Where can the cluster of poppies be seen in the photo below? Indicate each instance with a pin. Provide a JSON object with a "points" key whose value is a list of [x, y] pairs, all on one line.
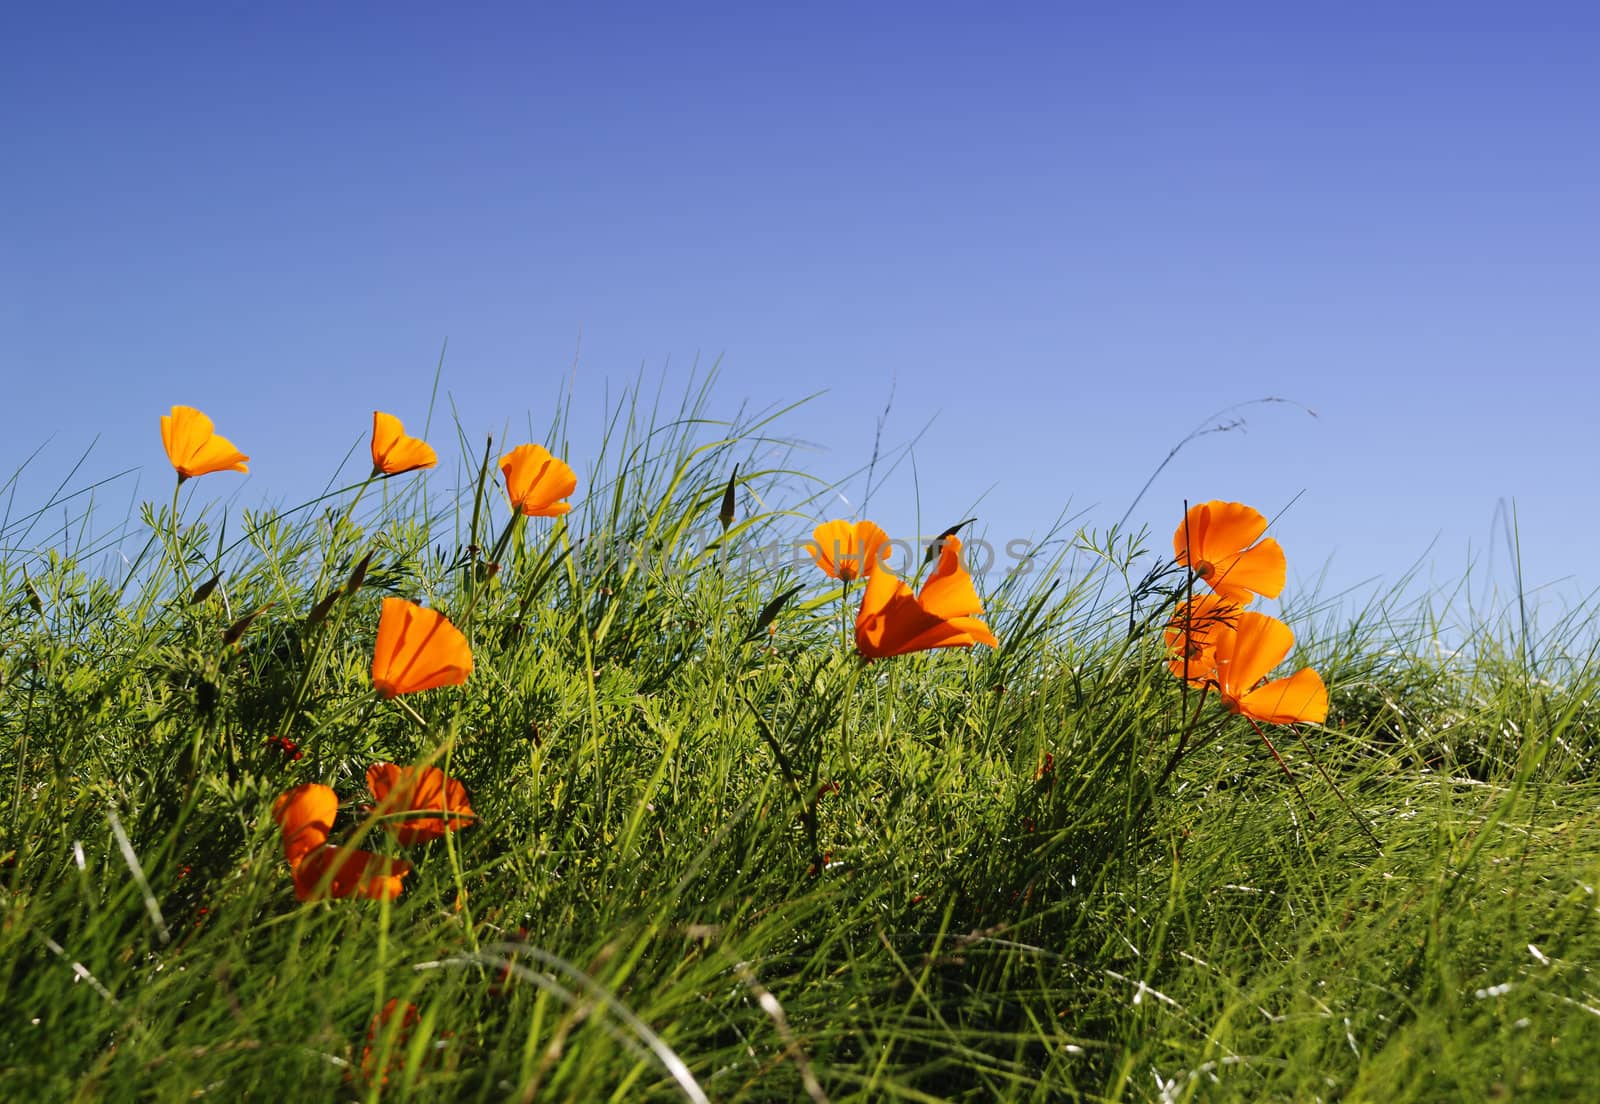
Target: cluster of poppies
{"points": [[537, 482], [414, 804], [416, 649], [1215, 643], [892, 620]]}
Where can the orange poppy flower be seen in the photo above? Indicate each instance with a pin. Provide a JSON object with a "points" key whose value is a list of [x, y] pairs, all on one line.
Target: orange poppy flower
{"points": [[416, 790], [305, 814], [333, 871], [537, 481], [1245, 651], [417, 649], [847, 551], [393, 452], [1191, 636], [943, 615], [1221, 542], [410, 1017], [194, 447]]}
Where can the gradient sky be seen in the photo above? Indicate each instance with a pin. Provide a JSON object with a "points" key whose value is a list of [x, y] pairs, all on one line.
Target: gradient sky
{"points": [[1063, 234]]}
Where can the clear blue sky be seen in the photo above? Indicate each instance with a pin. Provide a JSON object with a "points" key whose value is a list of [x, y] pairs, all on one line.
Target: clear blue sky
{"points": [[1064, 233]]}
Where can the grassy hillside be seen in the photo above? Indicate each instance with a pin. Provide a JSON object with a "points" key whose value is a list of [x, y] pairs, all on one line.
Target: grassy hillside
{"points": [[715, 856]]}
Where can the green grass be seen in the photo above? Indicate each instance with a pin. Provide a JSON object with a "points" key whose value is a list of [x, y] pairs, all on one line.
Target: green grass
{"points": [[1012, 904]]}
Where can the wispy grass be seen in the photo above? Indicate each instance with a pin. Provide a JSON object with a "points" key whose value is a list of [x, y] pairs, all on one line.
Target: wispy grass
{"points": [[717, 858]]}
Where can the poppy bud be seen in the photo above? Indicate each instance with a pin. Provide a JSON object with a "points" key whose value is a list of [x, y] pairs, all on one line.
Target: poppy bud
{"points": [[359, 574], [237, 629], [726, 514], [319, 612]]}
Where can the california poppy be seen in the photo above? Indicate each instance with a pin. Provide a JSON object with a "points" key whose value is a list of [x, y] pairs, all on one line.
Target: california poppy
{"points": [[393, 452], [332, 871], [418, 789], [194, 447], [847, 551], [1191, 636], [537, 481], [1221, 542], [417, 649], [1245, 652], [305, 814], [944, 614], [409, 1018]]}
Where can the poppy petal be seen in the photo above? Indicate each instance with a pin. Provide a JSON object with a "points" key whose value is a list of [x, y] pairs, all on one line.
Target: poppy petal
{"points": [[418, 789], [948, 591], [410, 455], [1259, 570], [188, 427], [1192, 634], [874, 542], [958, 632], [1256, 645], [216, 454], [386, 433], [884, 591], [1217, 529], [305, 814], [331, 871], [1301, 697]]}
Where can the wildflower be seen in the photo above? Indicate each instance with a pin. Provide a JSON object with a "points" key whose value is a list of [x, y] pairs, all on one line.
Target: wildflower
{"points": [[332, 871], [847, 551], [415, 790], [1221, 542], [417, 649], [1191, 636], [943, 615], [305, 814], [1245, 652], [393, 452], [537, 481], [409, 1018], [193, 446]]}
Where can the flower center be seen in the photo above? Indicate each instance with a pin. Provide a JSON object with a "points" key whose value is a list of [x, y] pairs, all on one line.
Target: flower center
{"points": [[1204, 569]]}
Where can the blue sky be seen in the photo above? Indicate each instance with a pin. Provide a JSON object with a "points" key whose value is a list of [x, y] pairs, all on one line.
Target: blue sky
{"points": [[1061, 234]]}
